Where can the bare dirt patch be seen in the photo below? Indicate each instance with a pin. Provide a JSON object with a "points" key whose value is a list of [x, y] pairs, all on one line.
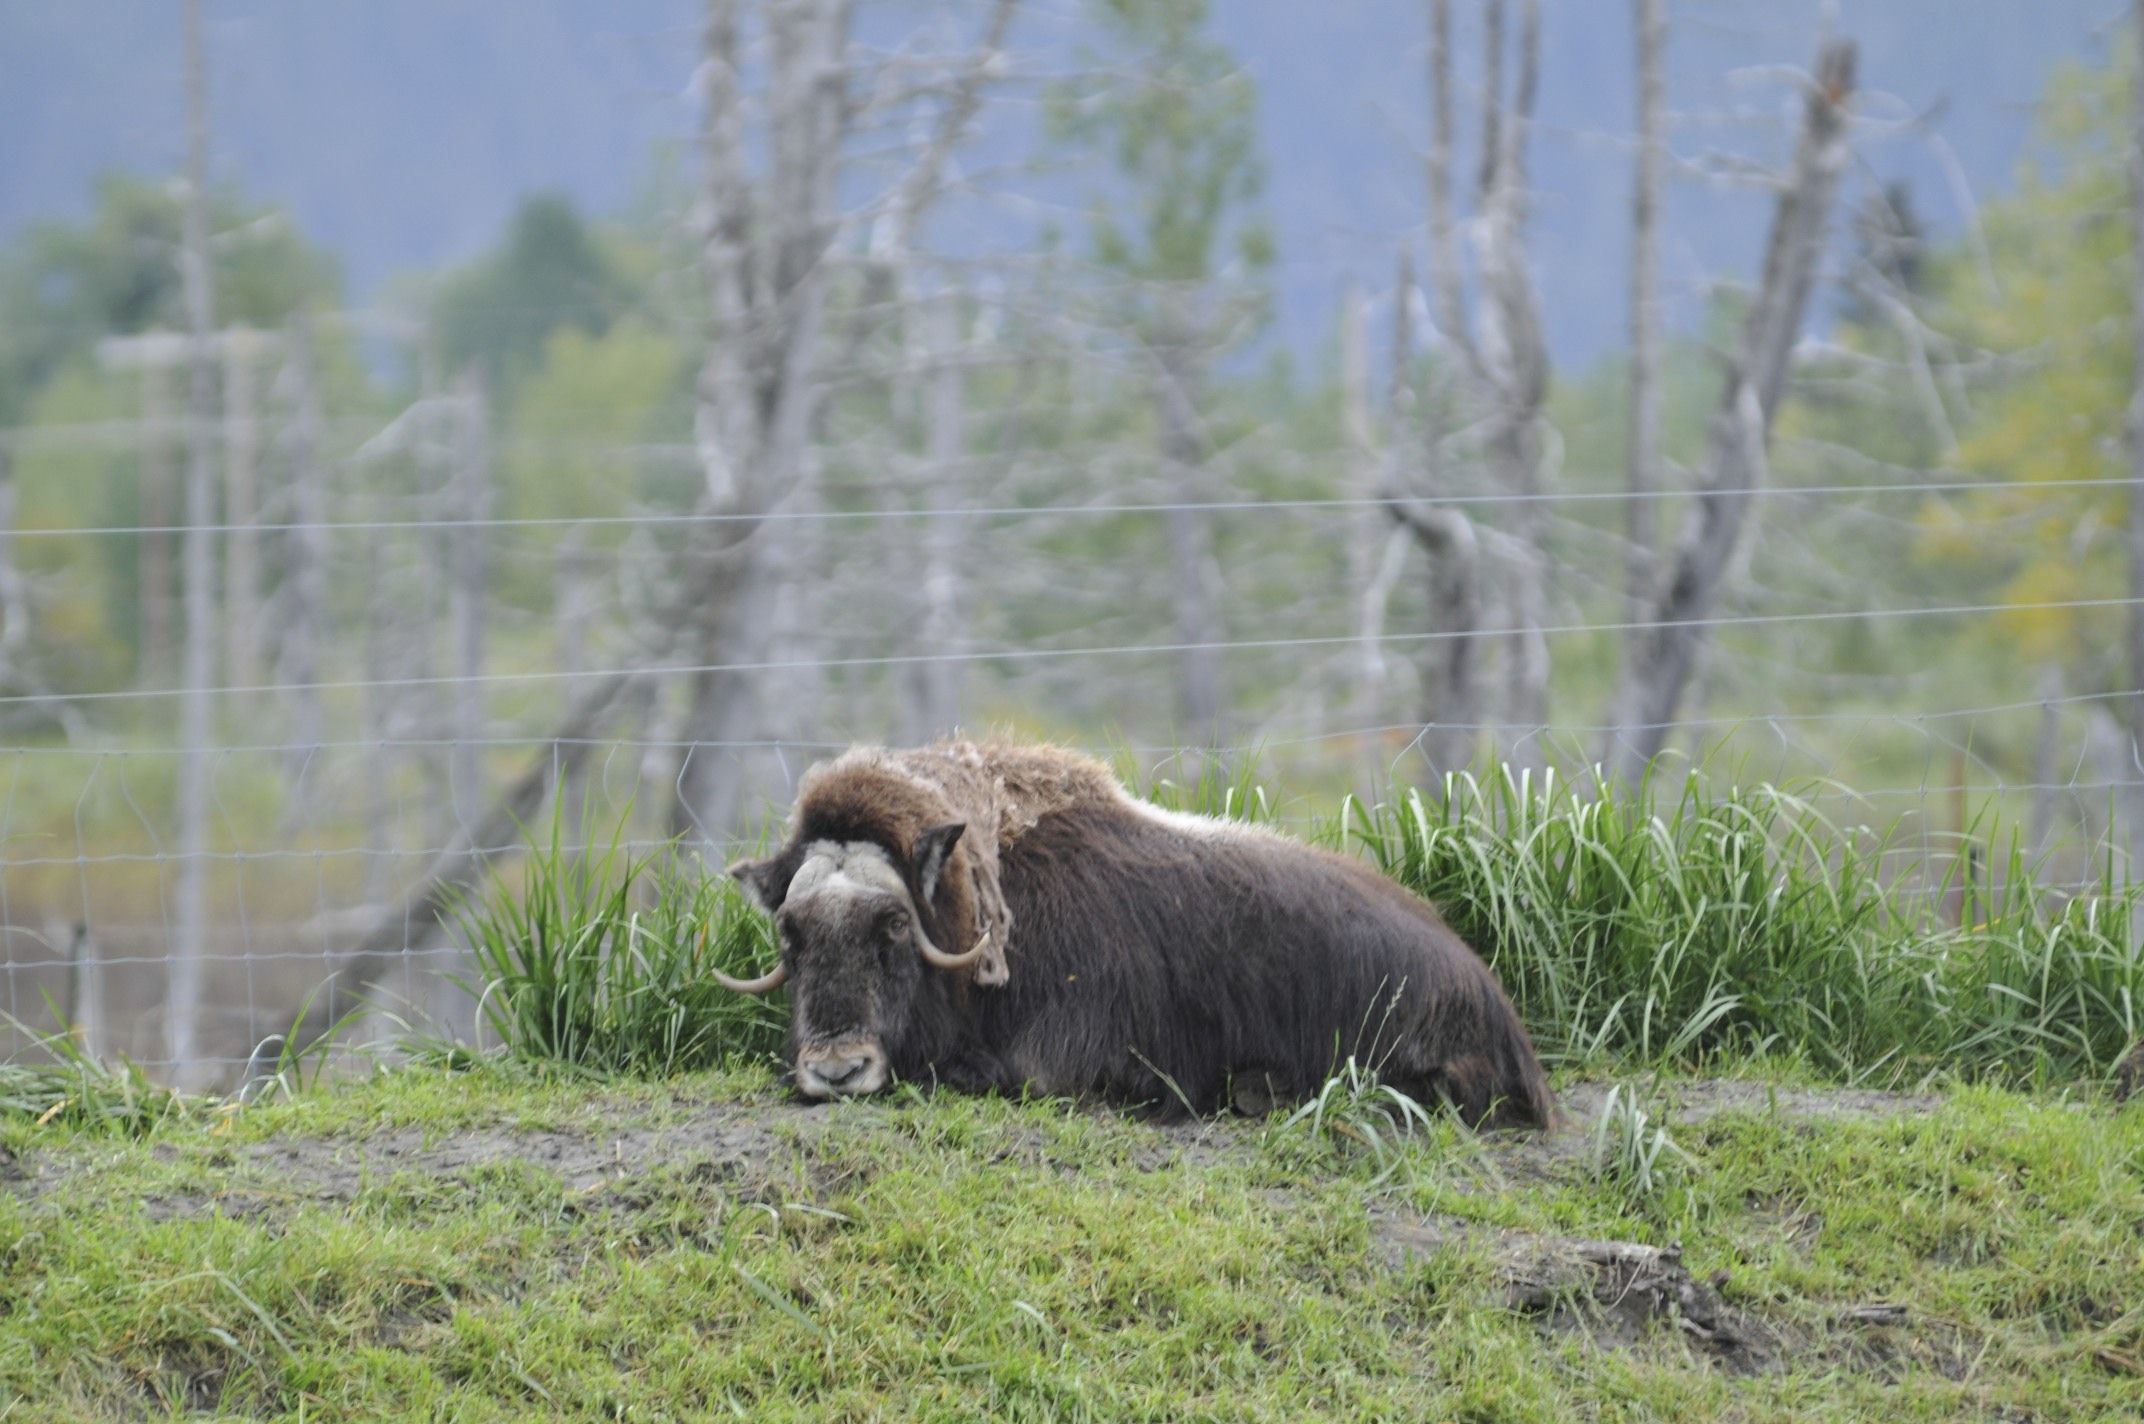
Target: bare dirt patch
{"points": [[744, 1140]]}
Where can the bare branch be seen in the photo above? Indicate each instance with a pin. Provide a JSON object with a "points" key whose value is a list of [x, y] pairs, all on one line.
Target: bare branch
{"points": [[1662, 658]]}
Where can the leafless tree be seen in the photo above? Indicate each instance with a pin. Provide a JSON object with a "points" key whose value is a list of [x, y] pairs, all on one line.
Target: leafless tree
{"points": [[307, 550], [1375, 547], [2134, 525], [1661, 658], [242, 350], [768, 259], [154, 569], [1448, 662], [470, 503], [1502, 353], [936, 691], [768, 256], [1644, 418], [14, 593], [189, 943]]}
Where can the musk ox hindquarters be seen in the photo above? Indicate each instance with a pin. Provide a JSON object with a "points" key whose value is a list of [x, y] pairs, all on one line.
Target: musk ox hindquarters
{"points": [[1000, 918]]}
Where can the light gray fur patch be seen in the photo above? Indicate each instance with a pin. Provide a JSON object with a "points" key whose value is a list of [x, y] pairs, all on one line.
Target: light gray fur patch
{"points": [[847, 869]]}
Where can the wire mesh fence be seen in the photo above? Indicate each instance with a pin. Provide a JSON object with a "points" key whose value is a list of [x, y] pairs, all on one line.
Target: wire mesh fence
{"points": [[1877, 704], [302, 629]]}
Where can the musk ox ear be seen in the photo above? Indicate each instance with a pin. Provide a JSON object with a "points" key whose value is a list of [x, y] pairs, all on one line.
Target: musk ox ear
{"points": [[756, 879], [932, 848]]}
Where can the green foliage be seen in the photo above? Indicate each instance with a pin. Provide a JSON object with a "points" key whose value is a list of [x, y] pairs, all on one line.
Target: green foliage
{"points": [[596, 959], [549, 274], [2057, 288], [1180, 128], [1716, 925], [66, 285], [1182, 131]]}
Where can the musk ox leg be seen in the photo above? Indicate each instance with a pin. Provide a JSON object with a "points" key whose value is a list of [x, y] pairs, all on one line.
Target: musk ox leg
{"points": [[1256, 1092], [1473, 1088], [975, 1071]]}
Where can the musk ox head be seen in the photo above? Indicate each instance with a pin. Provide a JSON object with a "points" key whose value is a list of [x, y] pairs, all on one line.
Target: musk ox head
{"points": [[854, 920]]}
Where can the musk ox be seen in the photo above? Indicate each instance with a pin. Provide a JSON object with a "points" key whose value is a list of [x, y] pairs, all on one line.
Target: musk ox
{"points": [[994, 918]]}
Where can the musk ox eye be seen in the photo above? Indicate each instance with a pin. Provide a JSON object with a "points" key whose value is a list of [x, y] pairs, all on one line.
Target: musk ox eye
{"points": [[895, 925]]}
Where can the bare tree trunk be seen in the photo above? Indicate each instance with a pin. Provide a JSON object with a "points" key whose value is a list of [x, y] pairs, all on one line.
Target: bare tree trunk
{"points": [[1449, 663], [937, 682], [197, 709], [2046, 746], [1644, 418], [573, 611], [154, 661], [765, 258], [1662, 657], [1515, 352], [573, 600], [1199, 694], [465, 600], [2134, 524], [1445, 281], [1371, 536], [241, 552], [427, 578], [306, 563], [378, 614], [14, 595], [85, 991]]}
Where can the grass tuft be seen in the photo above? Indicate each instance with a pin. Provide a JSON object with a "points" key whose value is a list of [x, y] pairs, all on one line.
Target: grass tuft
{"points": [[597, 959], [1633, 1157], [1356, 1112], [1715, 926], [63, 1086]]}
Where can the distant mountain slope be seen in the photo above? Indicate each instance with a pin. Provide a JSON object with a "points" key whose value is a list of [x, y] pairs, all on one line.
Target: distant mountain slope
{"points": [[402, 131]]}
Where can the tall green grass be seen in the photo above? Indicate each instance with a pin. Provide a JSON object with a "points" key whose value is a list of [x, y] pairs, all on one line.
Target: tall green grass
{"points": [[60, 1084], [597, 958], [1721, 924], [1691, 926]]}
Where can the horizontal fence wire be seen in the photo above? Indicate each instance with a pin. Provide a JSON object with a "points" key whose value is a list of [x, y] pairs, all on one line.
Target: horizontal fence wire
{"points": [[693, 519], [337, 783], [1122, 650]]}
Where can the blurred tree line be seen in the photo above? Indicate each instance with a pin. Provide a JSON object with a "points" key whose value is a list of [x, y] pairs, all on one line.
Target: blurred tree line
{"points": [[1119, 365]]}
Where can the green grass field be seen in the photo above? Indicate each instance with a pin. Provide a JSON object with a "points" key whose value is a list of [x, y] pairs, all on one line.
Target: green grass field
{"points": [[508, 1244]]}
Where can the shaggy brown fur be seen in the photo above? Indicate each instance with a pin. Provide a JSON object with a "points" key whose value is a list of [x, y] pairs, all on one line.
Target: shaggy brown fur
{"points": [[1153, 958], [996, 791]]}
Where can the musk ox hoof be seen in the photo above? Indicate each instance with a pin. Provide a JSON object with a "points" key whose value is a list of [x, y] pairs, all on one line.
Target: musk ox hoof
{"points": [[1255, 1094]]}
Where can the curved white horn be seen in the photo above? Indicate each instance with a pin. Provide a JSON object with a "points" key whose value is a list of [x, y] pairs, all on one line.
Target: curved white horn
{"points": [[938, 958], [766, 983]]}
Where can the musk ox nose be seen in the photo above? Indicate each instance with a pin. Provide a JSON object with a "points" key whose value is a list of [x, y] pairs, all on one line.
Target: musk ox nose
{"points": [[850, 1068], [835, 1071]]}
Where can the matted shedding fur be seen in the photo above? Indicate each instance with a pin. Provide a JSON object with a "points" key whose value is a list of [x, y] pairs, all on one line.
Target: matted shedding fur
{"points": [[998, 791], [1136, 955]]}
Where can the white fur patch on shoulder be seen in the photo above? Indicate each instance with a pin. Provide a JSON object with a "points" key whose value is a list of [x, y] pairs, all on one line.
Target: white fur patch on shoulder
{"points": [[1216, 828]]}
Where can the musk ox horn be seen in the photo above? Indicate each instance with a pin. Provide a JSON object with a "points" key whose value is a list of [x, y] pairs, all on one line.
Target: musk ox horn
{"points": [[938, 958], [766, 983]]}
